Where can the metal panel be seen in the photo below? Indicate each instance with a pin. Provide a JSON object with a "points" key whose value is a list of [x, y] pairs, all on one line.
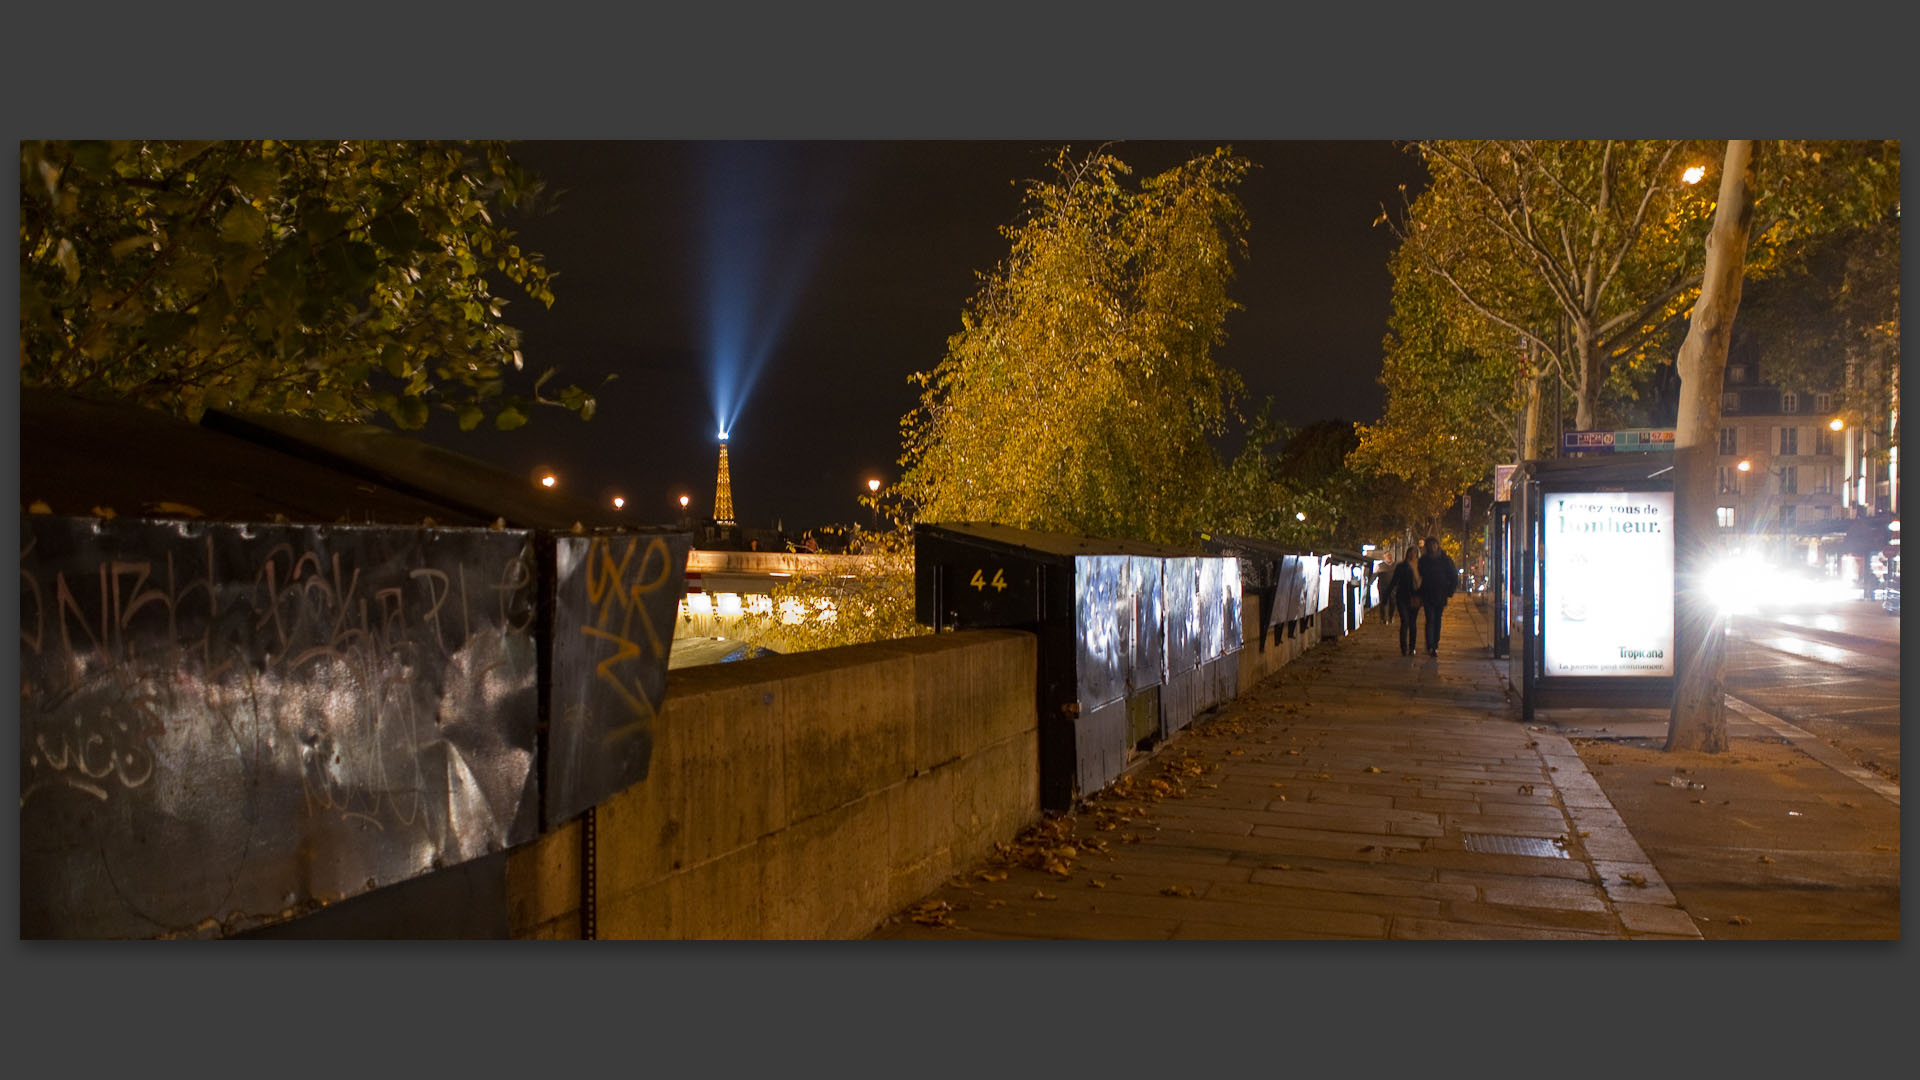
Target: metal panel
{"points": [[1100, 644], [1232, 629], [1149, 637], [1181, 582], [226, 725], [614, 600]]}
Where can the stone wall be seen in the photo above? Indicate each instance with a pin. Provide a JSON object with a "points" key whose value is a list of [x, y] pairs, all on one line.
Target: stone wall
{"points": [[804, 796]]}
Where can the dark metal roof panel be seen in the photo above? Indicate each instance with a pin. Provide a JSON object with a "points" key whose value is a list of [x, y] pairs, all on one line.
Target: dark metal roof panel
{"points": [[78, 453], [418, 468], [1060, 545]]}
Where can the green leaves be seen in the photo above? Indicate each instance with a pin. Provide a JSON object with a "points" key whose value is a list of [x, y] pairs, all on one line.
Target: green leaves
{"points": [[243, 225], [338, 277]]}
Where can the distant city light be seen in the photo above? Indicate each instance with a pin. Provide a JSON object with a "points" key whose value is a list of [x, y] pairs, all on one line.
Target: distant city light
{"points": [[1694, 173], [723, 436], [1301, 516], [619, 502]]}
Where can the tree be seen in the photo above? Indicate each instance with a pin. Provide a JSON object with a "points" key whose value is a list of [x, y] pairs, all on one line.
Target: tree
{"points": [[328, 279], [1591, 250], [1833, 323], [1697, 718], [1079, 393]]}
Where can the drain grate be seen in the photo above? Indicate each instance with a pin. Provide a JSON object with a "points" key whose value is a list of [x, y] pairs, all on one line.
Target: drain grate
{"points": [[1498, 844]]}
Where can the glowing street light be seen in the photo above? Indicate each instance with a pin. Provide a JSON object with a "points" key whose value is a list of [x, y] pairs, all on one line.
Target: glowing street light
{"points": [[1745, 465], [683, 502], [1300, 516], [619, 502], [1836, 424], [549, 480], [873, 486], [1694, 173]]}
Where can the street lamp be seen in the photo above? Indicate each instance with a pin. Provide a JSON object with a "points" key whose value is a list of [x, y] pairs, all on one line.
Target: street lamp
{"points": [[1836, 424], [549, 480], [873, 488], [1300, 516], [1694, 173], [619, 502], [683, 502]]}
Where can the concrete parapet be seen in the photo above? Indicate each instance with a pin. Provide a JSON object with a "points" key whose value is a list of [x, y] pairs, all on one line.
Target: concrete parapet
{"points": [[804, 796]]}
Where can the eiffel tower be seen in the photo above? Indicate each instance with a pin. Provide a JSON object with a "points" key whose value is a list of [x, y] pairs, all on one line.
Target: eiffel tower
{"points": [[723, 490]]}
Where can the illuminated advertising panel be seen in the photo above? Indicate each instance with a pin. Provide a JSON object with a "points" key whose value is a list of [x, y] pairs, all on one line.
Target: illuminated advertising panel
{"points": [[1608, 603]]}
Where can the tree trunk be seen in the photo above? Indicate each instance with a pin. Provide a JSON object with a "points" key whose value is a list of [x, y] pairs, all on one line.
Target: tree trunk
{"points": [[1530, 425], [1587, 394], [1698, 719]]}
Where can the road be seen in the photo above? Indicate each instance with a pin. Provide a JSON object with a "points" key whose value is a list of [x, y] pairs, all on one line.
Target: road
{"points": [[1834, 674]]}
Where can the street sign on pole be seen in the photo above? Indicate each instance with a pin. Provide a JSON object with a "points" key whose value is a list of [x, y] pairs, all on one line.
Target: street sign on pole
{"points": [[1503, 482]]}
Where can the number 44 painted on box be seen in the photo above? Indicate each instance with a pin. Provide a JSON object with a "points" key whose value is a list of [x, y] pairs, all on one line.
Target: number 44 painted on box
{"points": [[980, 581]]}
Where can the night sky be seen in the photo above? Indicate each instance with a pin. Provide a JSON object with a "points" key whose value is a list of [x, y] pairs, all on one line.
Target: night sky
{"points": [[844, 266]]}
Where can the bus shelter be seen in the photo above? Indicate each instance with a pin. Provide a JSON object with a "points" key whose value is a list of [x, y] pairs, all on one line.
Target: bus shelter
{"points": [[1591, 583]]}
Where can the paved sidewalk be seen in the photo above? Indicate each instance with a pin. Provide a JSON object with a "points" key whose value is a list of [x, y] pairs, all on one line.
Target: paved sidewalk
{"points": [[1357, 794]]}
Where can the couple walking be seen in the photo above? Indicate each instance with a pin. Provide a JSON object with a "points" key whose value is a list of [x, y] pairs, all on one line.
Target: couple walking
{"points": [[1422, 581]]}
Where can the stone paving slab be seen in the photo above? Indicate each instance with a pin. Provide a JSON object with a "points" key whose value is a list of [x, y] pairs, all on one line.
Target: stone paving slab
{"points": [[1334, 800]]}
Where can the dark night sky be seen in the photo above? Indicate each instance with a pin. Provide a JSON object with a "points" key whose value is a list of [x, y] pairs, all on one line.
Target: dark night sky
{"points": [[878, 244]]}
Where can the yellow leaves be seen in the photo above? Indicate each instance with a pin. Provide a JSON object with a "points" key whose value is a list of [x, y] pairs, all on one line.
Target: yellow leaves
{"points": [[1371, 769], [1042, 894], [39, 506], [1766, 858], [1177, 890], [932, 913], [174, 509], [992, 875], [1739, 920], [1638, 881], [103, 512]]}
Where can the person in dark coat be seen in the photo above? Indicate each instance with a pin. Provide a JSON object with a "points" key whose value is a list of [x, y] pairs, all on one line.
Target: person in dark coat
{"points": [[1438, 580], [1387, 603], [1405, 589]]}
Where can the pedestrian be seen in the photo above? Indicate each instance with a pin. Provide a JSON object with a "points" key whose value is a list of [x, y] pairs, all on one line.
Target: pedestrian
{"points": [[1385, 578], [1405, 587], [1438, 580]]}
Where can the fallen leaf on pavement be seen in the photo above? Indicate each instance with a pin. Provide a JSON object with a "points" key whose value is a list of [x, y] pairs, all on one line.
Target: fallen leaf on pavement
{"points": [[1040, 895], [1372, 769], [992, 875], [1740, 920], [1526, 789], [1638, 881], [1177, 890], [1766, 858]]}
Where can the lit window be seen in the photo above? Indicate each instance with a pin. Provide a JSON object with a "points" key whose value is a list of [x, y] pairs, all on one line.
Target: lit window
{"points": [[1724, 516]]}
